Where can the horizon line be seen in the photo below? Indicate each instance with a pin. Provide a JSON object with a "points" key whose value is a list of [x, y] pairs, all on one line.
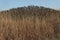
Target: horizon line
{"points": [[27, 6]]}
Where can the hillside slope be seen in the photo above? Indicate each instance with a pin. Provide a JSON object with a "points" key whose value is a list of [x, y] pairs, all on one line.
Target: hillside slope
{"points": [[30, 23]]}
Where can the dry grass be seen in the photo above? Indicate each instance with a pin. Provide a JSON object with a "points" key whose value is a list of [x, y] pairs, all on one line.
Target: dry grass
{"points": [[29, 27]]}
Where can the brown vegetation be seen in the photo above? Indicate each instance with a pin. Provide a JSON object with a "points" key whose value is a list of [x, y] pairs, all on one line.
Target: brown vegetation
{"points": [[30, 23]]}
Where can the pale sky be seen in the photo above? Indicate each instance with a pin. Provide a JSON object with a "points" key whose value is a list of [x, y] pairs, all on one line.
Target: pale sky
{"points": [[8, 4]]}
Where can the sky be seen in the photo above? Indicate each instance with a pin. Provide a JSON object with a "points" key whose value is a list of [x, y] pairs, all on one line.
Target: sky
{"points": [[9, 4]]}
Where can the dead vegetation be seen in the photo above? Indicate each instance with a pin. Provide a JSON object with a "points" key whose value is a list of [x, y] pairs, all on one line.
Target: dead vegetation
{"points": [[30, 23]]}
